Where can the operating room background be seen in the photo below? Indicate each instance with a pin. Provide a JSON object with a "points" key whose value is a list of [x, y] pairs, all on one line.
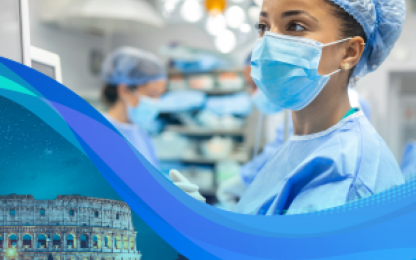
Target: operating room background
{"points": [[391, 90]]}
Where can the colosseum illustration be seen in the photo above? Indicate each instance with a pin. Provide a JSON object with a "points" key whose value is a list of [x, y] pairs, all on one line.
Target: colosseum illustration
{"points": [[68, 228]]}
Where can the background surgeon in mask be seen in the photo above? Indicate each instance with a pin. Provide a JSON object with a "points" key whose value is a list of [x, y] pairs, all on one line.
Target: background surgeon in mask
{"points": [[133, 82]]}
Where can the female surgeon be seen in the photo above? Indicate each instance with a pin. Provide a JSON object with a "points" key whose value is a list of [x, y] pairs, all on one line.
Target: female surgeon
{"points": [[229, 191], [133, 82], [307, 53]]}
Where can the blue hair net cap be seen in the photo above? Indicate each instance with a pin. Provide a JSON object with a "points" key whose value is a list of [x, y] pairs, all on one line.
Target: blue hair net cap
{"points": [[383, 22], [131, 66]]}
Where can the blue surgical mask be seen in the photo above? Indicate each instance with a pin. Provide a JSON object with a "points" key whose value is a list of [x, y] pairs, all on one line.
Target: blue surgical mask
{"points": [[285, 68], [263, 104], [145, 112]]}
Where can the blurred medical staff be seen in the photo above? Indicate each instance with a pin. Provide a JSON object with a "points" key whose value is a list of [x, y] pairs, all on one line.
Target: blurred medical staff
{"points": [[133, 82]]}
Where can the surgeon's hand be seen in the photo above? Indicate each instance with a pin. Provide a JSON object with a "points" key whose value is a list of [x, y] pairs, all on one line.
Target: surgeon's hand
{"points": [[182, 183]]}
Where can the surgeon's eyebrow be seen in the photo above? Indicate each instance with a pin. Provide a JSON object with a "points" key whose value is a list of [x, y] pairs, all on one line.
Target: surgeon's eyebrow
{"points": [[264, 14], [297, 12]]}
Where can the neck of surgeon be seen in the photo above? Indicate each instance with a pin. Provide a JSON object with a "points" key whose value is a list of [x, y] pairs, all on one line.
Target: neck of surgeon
{"points": [[328, 108], [119, 112]]}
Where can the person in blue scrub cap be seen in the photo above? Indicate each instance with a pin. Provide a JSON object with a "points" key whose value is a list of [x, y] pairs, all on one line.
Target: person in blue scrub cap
{"points": [[335, 155], [308, 52], [134, 80], [230, 191]]}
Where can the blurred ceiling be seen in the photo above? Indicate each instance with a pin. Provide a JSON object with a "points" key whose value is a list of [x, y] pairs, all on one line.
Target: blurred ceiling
{"points": [[102, 16]]}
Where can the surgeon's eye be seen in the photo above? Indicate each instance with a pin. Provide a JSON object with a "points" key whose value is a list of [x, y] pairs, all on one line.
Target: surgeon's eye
{"points": [[296, 27], [261, 28]]}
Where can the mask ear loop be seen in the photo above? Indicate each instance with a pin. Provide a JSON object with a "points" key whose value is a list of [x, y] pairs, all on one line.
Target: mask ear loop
{"points": [[333, 43], [335, 72]]}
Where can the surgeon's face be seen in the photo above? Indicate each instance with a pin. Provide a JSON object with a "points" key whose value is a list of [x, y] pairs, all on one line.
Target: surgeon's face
{"points": [[309, 19], [154, 89]]}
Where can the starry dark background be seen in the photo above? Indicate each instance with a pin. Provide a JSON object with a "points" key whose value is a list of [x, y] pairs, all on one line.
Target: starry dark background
{"points": [[36, 160]]}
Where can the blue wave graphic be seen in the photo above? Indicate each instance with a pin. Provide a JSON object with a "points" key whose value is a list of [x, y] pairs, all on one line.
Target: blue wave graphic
{"points": [[378, 227]]}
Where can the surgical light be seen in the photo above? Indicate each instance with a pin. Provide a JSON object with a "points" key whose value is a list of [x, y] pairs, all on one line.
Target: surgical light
{"points": [[258, 2], [254, 13], [170, 5], [192, 11], [215, 7], [216, 24], [235, 16], [245, 28], [226, 41]]}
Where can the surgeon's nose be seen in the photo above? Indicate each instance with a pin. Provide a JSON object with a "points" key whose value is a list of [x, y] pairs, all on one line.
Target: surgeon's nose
{"points": [[275, 29]]}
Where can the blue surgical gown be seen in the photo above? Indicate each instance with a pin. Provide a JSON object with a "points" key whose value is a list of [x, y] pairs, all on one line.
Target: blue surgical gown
{"points": [[250, 170], [138, 138], [348, 161]]}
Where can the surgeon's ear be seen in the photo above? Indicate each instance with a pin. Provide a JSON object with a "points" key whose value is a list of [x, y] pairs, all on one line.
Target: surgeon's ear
{"points": [[355, 49], [126, 95], [123, 92]]}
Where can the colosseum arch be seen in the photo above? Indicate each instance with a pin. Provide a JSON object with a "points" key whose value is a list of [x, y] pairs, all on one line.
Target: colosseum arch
{"points": [[12, 241], [132, 243], [107, 242], [96, 242], [27, 241], [56, 241], [117, 242], [42, 241], [84, 241], [70, 241], [126, 242], [1, 241]]}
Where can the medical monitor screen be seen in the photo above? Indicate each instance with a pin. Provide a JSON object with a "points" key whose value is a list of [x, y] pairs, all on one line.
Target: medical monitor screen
{"points": [[45, 69], [10, 30]]}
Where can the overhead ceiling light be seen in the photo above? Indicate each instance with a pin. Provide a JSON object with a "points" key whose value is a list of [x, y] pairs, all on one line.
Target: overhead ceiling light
{"points": [[216, 24], [245, 28], [215, 7], [226, 41], [258, 2], [170, 5], [235, 16], [192, 11], [254, 13], [108, 16]]}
